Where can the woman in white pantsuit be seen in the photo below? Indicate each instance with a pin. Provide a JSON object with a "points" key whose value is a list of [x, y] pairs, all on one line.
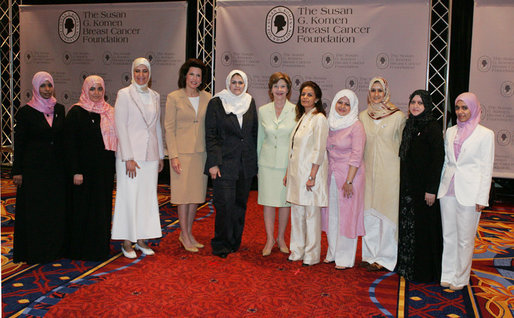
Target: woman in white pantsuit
{"points": [[306, 176], [464, 188], [138, 162]]}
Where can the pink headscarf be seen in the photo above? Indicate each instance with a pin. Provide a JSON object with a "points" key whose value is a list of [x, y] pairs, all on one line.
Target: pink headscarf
{"points": [[101, 107], [466, 128], [46, 106]]}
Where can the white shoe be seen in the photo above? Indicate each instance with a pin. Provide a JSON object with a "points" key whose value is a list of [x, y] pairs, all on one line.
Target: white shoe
{"points": [[146, 251], [130, 254]]}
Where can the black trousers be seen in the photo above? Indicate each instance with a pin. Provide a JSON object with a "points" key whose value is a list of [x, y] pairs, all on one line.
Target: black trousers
{"points": [[230, 198]]}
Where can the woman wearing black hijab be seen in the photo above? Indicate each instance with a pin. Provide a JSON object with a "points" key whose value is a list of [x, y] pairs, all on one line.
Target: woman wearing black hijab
{"points": [[421, 161]]}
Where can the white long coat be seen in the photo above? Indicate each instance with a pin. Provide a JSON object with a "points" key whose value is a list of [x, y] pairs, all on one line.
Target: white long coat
{"points": [[310, 141]]}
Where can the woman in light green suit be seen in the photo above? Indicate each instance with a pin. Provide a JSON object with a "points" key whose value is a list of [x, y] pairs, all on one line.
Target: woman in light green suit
{"points": [[276, 121]]}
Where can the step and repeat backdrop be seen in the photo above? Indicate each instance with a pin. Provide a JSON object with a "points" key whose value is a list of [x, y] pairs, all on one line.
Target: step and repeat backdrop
{"points": [[72, 42], [334, 43], [492, 76]]}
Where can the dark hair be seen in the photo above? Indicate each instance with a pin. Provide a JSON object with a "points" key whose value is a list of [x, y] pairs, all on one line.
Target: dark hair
{"points": [[182, 73], [425, 97], [274, 78], [318, 105]]}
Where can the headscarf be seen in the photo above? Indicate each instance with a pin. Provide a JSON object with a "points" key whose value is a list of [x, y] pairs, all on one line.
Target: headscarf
{"points": [[136, 63], [105, 110], [384, 108], [46, 106], [239, 104], [414, 124], [465, 129], [336, 121]]}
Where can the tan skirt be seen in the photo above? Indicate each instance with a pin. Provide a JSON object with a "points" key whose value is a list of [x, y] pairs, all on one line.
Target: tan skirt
{"points": [[190, 185]]}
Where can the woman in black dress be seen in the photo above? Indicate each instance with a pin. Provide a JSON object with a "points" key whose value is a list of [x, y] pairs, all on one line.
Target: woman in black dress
{"points": [[38, 171], [421, 160], [90, 146]]}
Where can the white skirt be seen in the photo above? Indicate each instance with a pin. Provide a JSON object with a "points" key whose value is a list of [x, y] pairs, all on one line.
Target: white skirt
{"points": [[136, 211]]}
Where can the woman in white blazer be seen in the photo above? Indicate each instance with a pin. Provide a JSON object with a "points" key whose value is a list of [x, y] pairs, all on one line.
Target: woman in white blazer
{"points": [[138, 162], [464, 189], [306, 176]]}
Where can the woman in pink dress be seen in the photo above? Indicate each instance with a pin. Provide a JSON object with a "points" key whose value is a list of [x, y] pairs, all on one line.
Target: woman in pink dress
{"points": [[343, 220]]}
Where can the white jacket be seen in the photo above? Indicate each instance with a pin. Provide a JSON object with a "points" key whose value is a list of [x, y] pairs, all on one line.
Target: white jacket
{"points": [[473, 170]]}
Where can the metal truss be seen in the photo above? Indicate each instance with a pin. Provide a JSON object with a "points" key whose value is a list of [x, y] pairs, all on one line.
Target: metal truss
{"points": [[439, 57], [10, 67], [205, 45]]}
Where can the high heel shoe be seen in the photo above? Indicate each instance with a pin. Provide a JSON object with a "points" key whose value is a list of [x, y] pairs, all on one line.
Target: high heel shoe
{"points": [[128, 254], [283, 249], [145, 250], [199, 245], [189, 249], [267, 251]]}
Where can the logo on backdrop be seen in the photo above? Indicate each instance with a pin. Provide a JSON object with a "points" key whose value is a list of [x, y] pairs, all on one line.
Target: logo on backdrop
{"points": [[279, 24], [69, 26], [484, 63], [126, 79], [276, 59], [382, 61], [352, 83], [297, 82], [327, 60], [503, 137], [226, 58], [507, 89]]}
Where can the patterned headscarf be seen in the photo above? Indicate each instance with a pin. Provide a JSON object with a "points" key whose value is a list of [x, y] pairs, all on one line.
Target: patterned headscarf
{"points": [[384, 108]]}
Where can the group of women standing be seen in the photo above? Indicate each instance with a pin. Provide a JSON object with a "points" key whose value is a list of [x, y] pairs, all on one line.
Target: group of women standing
{"points": [[64, 168], [375, 174]]}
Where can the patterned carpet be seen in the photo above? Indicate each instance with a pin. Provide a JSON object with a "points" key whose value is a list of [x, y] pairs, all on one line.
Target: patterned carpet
{"points": [[177, 283]]}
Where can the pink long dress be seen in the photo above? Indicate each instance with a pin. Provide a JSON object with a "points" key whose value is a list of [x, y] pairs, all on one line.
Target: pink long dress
{"points": [[345, 147]]}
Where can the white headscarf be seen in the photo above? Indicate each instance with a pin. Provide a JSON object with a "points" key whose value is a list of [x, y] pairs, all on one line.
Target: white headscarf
{"points": [[236, 104], [136, 63], [336, 121]]}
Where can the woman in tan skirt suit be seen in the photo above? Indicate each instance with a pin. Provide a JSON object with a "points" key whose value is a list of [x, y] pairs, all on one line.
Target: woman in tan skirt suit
{"points": [[185, 139]]}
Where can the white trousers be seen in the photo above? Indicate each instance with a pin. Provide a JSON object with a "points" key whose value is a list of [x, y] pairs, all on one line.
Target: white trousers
{"points": [[341, 249], [379, 245], [459, 228], [305, 234], [136, 211]]}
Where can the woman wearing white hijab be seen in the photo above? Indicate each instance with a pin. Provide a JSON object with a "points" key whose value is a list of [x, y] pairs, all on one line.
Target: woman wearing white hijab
{"points": [[138, 162], [231, 143], [343, 220]]}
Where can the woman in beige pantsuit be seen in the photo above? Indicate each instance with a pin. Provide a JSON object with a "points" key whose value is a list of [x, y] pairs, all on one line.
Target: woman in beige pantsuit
{"points": [[306, 176], [185, 139]]}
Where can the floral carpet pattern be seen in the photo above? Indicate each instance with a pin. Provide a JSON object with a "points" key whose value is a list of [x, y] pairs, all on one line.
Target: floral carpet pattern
{"points": [[177, 283]]}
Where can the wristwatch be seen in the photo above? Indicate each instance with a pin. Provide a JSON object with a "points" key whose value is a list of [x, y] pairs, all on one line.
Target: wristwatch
{"points": [[348, 182], [311, 178]]}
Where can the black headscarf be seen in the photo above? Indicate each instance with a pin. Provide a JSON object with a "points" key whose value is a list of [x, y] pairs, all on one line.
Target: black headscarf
{"points": [[415, 124]]}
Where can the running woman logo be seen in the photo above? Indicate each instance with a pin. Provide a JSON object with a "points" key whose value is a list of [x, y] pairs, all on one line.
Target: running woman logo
{"points": [[279, 24], [69, 26]]}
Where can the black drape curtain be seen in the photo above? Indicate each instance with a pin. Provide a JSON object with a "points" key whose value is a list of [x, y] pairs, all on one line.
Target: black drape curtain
{"points": [[460, 52]]}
